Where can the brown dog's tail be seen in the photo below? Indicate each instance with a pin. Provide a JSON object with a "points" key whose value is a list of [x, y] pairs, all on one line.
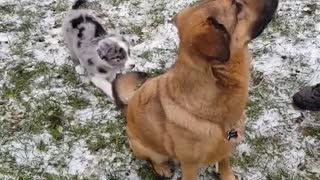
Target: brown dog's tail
{"points": [[125, 85]]}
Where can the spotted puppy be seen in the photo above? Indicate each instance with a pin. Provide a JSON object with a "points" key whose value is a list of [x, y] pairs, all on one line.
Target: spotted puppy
{"points": [[103, 55]]}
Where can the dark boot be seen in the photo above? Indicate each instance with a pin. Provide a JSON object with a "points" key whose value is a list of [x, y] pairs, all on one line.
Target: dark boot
{"points": [[308, 98]]}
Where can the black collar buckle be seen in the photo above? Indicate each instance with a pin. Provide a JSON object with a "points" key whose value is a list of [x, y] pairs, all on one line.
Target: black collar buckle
{"points": [[232, 134]]}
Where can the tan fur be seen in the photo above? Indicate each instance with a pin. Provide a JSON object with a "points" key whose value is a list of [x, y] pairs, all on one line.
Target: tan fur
{"points": [[185, 114], [125, 85]]}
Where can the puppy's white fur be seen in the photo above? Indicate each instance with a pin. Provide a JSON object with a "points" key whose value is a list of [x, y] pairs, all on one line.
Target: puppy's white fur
{"points": [[84, 36]]}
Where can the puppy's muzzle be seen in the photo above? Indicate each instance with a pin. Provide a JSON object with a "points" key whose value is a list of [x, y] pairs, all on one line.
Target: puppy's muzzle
{"points": [[130, 64]]}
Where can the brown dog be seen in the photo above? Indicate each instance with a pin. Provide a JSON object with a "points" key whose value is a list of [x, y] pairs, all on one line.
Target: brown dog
{"points": [[194, 112]]}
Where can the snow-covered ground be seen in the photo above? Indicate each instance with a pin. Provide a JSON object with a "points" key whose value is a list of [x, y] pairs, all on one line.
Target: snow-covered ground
{"points": [[54, 124]]}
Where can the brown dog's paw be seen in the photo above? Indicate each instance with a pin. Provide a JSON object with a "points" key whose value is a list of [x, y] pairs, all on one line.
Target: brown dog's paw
{"points": [[216, 175], [163, 170]]}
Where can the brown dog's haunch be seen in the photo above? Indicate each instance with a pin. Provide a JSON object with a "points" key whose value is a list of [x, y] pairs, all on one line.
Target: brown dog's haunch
{"points": [[194, 113]]}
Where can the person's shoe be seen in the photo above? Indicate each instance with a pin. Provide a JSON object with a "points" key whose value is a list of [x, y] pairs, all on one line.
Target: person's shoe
{"points": [[308, 98]]}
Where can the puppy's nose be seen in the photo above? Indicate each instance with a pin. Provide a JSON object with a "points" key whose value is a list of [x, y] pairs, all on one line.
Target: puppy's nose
{"points": [[132, 66]]}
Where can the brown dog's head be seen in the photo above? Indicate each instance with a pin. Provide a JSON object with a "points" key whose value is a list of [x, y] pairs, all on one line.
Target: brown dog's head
{"points": [[209, 28]]}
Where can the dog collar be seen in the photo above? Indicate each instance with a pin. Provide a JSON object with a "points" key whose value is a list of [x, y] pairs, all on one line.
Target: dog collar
{"points": [[232, 134]]}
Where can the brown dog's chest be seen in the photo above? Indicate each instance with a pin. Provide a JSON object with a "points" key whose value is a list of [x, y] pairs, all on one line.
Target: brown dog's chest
{"points": [[207, 118], [202, 112], [231, 107]]}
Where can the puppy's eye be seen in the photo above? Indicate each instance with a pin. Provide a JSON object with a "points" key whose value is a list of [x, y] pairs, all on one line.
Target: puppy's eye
{"points": [[214, 22], [121, 51], [117, 60], [239, 7]]}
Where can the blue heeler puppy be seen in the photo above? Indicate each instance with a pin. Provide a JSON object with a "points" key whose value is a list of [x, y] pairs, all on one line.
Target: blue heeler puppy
{"points": [[103, 55]]}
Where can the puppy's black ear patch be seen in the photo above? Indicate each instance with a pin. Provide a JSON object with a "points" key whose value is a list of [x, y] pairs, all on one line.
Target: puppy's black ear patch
{"points": [[77, 21], [265, 15], [100, 31]]}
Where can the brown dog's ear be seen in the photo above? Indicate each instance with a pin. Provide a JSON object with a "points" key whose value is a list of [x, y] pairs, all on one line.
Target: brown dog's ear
{"points": [[214, 42], [266, 9]]}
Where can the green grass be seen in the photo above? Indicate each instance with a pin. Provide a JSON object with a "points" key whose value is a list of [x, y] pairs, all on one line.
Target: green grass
{"points": [[103, 101], [262, 144], [254, 109], [68, 74], [97, 142], [146, 172], [147, 55], [158, 17], [278, 26], [279, 174], [245, 161], [46, 115], [80, 131], [60, 6], [315, 115], [136, 29], [117, 2], [19, 45], [77, 102], [259, 95], [41, 146], [311, 131], [7, 9], [117, 136], [21, 77], [40, 98]]}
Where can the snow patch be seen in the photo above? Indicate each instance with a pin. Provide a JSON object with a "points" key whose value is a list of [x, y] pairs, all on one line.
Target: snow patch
{"points": [[82, 161]]}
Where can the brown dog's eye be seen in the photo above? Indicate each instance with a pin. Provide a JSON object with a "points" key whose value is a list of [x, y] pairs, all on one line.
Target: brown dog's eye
{"points": [[213, 21], [239, 8]]}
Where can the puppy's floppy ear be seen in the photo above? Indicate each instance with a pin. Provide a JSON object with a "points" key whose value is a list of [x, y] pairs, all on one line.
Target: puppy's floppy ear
{"points": [[214, 41], [265, 11]]}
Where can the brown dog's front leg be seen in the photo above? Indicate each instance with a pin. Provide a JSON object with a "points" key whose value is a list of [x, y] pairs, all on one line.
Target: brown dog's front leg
{"points": [[189, 171], [225, 170]]}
